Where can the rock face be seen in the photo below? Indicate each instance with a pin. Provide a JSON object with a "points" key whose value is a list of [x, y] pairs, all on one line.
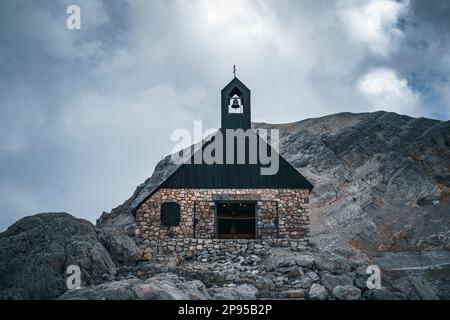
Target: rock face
{"points": [[376, 177], [348, 292], [160, 287], [122, 248], [318, 292], [239, 292], [331, 281], [36, 251]]}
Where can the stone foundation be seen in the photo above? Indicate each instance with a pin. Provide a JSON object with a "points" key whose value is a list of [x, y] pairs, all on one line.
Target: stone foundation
{"points": [[211, 249]]}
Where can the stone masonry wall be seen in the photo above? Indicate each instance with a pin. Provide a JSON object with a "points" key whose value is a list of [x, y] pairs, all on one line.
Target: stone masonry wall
{"points": [[212, 249], [290, 206]]}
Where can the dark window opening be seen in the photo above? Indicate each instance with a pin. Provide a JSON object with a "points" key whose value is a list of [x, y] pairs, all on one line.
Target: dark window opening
{"points": [[236, 220], [170, 214]]}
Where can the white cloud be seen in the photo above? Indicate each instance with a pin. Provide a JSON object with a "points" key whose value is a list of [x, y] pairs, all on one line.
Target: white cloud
{"points": [[228, 25], [145, 111], [48, 28], [118, 140], [15, 131], [386, 91], [375, 24]]}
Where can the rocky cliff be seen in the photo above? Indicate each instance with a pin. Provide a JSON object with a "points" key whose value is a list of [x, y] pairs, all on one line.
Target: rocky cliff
{"points": [[381, 180]]}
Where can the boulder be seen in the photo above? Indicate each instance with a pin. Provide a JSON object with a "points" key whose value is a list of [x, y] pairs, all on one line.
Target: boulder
{"points": [[161, 287], [122, 248], [318, 292], [304, 261], [239, 292], [378, 294], [286, 262], [36, 251], [348, 292], [313, 276], [330, 281], [296, 294], [322, 263], [304, 283], [414, 288]]}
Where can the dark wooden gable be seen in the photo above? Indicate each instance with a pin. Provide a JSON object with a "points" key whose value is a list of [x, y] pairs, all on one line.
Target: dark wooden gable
{"points": [[236, 176]]}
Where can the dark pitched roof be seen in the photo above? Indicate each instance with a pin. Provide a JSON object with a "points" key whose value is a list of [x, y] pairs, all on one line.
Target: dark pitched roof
{"points": [[235, 82], [232, 176]]}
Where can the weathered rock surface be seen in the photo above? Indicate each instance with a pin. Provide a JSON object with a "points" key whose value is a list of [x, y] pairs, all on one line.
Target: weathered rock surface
{"points": [[236, 292], [379, 294], [318, 292], [122, 248], [348, 292], [160, 287], [36, 251], [376, 177], [330, 281], [304, 261]]}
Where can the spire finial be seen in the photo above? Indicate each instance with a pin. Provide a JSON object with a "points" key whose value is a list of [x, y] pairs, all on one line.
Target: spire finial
{"points": [[234, 70]]}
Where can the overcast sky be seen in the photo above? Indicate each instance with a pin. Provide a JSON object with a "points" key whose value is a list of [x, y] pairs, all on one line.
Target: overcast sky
{"points": [[86, 114]]}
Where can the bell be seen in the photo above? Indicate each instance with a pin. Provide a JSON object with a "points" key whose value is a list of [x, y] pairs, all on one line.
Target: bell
{"points": [[235, 104]]}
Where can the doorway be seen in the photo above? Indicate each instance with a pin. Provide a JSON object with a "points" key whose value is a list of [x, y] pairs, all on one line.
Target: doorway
{"points": [[236, 220]]}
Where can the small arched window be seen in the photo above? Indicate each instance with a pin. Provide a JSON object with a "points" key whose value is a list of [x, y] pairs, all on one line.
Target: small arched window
{"points": [[170, 214]]}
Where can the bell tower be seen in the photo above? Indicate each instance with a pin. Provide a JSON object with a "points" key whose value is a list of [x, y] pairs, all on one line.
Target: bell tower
{"points": [[236, 105]]}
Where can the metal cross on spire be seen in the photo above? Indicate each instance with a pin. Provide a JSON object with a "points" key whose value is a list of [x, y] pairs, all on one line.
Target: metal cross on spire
{"points": [[234, 70]]}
